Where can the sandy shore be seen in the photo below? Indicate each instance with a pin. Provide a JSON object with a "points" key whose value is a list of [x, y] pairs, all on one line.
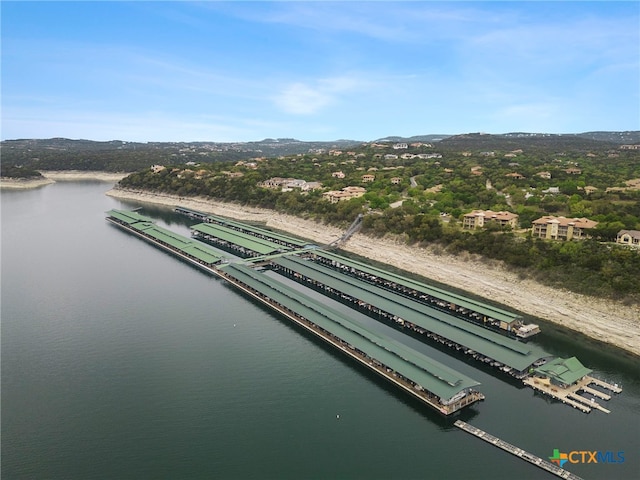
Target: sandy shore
{"points": [[23, 184], [603, 320], [61, 176]]}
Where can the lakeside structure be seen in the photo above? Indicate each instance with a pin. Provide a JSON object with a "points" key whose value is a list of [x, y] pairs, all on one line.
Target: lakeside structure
{"points": [[389, 298]]}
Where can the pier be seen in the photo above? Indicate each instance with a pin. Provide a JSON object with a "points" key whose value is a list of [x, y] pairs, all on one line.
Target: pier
{"points": [[569, 394], [518, 452]]}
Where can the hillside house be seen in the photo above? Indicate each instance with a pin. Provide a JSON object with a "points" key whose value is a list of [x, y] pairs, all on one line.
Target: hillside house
{"points": [[629, 237], [347, 193]]}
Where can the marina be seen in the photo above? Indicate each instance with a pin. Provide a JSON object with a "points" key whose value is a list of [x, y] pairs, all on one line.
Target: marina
{"points": [[387, 298], [425, 379]]}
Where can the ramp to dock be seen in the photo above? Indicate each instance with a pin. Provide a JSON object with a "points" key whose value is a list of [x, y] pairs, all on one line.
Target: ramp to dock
{"points": [[518, 452]]}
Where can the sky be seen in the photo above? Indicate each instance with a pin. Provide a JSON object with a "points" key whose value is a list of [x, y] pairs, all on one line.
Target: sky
{"points": [[315, 70]]}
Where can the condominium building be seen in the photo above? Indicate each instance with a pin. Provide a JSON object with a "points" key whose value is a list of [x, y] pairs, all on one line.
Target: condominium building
{"points": [[479, 218], [562, 228]]}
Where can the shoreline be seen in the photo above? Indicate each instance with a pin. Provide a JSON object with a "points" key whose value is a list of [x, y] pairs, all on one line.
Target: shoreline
{"points": [[53, 176], [592, 317]]}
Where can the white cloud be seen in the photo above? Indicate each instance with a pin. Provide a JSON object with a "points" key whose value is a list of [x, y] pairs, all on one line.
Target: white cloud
{"points": [[306, 99]]}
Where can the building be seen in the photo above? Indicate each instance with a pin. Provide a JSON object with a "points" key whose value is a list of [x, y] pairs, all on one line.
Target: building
{"points": [[347, 193], [396, 180], [562, 228], [628, 237], [479, 218], [562, 372], [515, 176], [368, 178]]}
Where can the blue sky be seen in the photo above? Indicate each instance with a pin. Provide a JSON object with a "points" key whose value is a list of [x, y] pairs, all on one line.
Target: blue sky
{"points": [[241, 71]]}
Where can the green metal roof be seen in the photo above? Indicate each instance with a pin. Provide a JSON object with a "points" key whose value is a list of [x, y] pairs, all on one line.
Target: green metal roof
{"points": [[433, 376], [564, 370], [243, 240], [186, 245], [449, 297], [505, 350], [128, 217], [261, 231]]}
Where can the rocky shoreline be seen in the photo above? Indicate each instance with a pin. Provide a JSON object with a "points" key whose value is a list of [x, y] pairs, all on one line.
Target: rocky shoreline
{"points": [[603, 320]]}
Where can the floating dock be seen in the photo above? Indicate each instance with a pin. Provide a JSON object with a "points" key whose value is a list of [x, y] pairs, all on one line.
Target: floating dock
{"points": [[569, 394], [518, 452], [425, 379], [386, 297]]}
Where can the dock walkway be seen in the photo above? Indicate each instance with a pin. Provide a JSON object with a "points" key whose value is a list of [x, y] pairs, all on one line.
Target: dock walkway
{"points": [[518, 452]]}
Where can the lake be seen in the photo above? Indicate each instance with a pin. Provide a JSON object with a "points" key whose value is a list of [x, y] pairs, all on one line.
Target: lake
{"points": [[121, 362]]}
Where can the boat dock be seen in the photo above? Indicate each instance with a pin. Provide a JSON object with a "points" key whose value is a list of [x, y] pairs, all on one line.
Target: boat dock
{"points": [[518, 452], [570, 394], [425, 379], [391, 299]]}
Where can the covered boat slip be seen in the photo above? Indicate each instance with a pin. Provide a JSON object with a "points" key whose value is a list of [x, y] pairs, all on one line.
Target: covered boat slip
{"points": [[432, 376], [363, 295], [251, 230], [128, 217], [413, 286], [145, 227], [259, 232], [245, 244]]}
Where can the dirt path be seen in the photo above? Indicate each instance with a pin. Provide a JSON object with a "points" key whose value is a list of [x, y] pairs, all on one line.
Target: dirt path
{"points": [[603, 320]]}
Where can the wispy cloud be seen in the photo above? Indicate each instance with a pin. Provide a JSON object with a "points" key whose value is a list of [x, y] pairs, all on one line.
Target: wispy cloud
{"points": [[300, 98]]}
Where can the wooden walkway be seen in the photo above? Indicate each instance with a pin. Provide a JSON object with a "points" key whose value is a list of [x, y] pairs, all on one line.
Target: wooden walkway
{"points": [[570, 394], [518, 452]]}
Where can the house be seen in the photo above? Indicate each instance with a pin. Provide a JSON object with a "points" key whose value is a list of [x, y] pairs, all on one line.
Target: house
{"points": [[368, 178], [545, 175], [396, 180], [157, 168], [390, 156], [589, 189], [338, 174], [400, 146], [573, 171], [347, 193], [561, 228], [630, 147], [479, 218], [628, 237], [515, 176]]}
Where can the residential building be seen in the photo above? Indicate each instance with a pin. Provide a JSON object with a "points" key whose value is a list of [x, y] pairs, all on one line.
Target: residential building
{"points": [[400, 146], [562, 228], [396, 180], [545, 175], [338, 174], [629, 237], [347, 193], [479, 218], [515, 176], [368, 178]]}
